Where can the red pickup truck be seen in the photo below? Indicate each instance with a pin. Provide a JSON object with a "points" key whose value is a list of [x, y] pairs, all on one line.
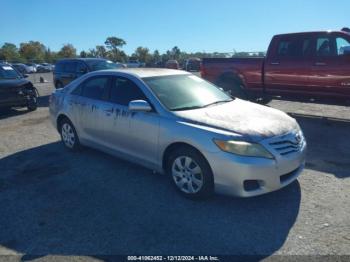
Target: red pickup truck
{"points": [[312, 63]]}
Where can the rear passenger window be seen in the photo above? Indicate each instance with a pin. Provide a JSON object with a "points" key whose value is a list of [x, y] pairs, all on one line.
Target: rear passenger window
{"points": [[96, 88], [298, 47], [70, 67], [124, 90]]}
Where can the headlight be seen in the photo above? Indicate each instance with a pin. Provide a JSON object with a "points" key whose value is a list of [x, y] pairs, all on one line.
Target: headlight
{"points": [[243, 148]]}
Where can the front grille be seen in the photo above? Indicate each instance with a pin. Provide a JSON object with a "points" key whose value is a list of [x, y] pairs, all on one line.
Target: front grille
{"points": [[288, 144]]}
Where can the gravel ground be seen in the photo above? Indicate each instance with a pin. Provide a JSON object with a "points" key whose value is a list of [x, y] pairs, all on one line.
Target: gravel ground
{"points": [[57, 203]]}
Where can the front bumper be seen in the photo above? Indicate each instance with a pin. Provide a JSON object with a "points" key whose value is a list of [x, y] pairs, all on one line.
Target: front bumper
{"points": [[232, 172]]}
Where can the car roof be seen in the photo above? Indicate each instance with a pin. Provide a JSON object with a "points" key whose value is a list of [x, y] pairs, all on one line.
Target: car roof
{"points": [[148, 72], [81, 59], [312, 33]]}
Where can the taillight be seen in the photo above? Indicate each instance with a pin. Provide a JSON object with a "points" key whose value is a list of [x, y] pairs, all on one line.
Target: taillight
{"points": [[203, 72]]}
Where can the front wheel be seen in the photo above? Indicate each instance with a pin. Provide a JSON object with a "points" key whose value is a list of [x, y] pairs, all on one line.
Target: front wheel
{"points": [[69, 135], [33, 102], [190, 173]]}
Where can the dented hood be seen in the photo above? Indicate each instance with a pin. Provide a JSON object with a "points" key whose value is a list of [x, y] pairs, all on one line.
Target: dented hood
{"points": [[253, 121]]}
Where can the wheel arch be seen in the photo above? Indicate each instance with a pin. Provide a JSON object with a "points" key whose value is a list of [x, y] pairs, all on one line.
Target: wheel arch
{"points": [[174, 146]]}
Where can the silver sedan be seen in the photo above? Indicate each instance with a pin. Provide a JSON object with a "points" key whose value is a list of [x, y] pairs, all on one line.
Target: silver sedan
{"points": [[177, 123]]}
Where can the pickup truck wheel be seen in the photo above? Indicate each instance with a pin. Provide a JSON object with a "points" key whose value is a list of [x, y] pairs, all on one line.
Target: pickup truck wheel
{"points": [[232, 86], [191, 173]]}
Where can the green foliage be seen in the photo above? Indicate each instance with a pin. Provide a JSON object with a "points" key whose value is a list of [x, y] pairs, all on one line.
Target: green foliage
{"points": [[9, 52], [67, 51], [34, 51]]}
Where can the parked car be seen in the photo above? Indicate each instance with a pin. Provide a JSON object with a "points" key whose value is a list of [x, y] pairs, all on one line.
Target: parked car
{"points": [[172, 64], [66, 70], [22, 68], [193, 64], [32, 67], [179, 124], [134, 64], [303, 64], [15, 90], [44, 68]]}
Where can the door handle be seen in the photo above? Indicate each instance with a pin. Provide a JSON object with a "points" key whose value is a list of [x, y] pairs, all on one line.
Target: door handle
{"points": [[320, 64], [275, 63]]}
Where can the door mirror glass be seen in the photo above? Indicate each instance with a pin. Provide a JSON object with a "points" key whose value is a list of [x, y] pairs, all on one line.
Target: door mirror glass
{"points": [[345, 50], [139, 106]]}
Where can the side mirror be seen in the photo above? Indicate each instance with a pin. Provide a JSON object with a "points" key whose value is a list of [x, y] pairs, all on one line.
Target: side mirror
{"points": [[82, 70], [25, 76], [345, 50], [139, 106]]}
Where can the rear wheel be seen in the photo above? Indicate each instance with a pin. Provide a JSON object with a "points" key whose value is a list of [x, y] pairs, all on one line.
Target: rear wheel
{"points": [[232, 85], [69, 135], [191, 173], [58, 85]]}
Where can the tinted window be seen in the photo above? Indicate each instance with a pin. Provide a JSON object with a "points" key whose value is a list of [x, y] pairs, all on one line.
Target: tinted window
{"points": [[7, 72], [297, 47], [124, 90], [342, 45], [81, 67], [324, 46], [95, 88], [59, 67], [101, 64], [70, 67]]}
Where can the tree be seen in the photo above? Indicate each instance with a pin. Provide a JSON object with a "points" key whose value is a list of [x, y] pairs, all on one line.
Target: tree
{"points": [[32, 51], [175, 52], [83, 54], [113, 44], [67, 51], [142, 54], [101, 51], [9, 52]]}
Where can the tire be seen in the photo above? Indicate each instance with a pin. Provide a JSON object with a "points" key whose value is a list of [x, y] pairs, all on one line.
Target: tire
{"points": [[232, 86], [58, 85], [68, 134], [190, 173], [33, 102]]}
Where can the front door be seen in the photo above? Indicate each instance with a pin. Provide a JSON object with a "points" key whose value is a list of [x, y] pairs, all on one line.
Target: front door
{"points": [[133, 133], [331, 67]]}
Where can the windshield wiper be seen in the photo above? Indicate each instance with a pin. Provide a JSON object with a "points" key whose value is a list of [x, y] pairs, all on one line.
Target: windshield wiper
{"points": [[218, 102], [186, 108]]}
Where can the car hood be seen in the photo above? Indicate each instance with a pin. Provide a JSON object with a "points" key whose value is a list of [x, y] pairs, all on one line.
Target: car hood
{"points": [[252, 121], [13, 83]]}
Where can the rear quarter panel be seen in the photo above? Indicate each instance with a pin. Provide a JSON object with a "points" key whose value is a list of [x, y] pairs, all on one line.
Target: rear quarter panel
{"points": [[249, 70]]}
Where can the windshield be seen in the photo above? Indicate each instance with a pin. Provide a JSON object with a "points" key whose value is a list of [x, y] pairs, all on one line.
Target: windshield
{"points": [[185, 92], [101, 65], [7, 72]]}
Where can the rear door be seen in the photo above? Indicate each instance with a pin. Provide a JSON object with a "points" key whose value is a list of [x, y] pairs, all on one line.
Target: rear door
{"points": [[68, 73], [330, 70], [94, 109], [288, 67]]}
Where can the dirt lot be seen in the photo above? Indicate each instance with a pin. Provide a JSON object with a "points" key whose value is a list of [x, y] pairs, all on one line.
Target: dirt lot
{"points": [[53, 202]]}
